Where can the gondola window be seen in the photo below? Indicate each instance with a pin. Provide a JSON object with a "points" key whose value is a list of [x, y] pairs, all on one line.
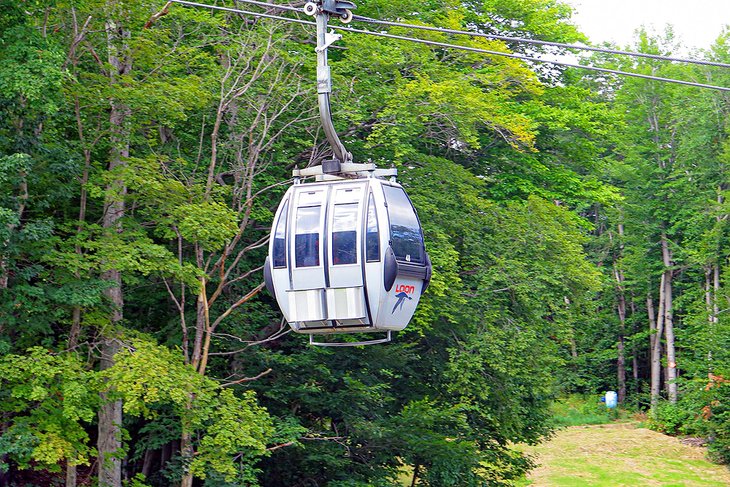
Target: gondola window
{"points": [[344, 234], [405, 231], [372, 236], [279, 253], [306, 242]]}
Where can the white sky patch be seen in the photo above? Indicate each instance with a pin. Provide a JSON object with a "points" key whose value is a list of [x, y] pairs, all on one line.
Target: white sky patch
{"points": [[696, 22]]}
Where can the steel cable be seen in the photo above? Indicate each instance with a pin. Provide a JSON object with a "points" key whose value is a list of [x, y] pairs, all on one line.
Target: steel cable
{"points": [[538, 42], [447, 45], [503, 37]]}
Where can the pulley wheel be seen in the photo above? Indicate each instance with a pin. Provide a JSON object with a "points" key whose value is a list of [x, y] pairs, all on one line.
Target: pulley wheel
{"points": [[310, 8], [346, 18]]}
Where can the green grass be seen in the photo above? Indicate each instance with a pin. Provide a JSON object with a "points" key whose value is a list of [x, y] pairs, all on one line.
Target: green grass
{"points": [[577, 410], [593, 448], [620, 454]]}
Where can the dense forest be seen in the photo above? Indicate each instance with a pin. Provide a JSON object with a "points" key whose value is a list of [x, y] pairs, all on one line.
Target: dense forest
{"points": [[577, 223]]}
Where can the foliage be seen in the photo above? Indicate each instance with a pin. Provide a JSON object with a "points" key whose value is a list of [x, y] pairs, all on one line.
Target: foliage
{"points": [[671, 419], [717, 422], [146, 376], [50, 398], [702, 411], [521, 176]]}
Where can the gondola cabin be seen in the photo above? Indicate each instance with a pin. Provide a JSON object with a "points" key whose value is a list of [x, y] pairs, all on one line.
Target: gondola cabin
{"points": [[347, 256]]}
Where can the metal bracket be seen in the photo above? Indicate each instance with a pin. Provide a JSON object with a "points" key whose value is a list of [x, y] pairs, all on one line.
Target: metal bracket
{"points": [[346, 168], [349, 344], [329, 39]]}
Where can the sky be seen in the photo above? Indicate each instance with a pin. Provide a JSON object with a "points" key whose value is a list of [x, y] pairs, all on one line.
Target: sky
{"points": [[696, 22]]}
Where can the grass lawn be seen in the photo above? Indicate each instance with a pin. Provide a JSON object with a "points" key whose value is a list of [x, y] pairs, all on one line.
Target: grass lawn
{"points": [[621, 454]]}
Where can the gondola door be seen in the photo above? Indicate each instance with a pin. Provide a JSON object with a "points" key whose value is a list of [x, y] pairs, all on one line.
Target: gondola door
{"points": [[344, 274], [307, 295], [406, 255]]}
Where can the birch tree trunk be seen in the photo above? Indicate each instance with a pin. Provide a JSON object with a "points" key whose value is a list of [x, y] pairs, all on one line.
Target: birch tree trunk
{"points": [[656, 348], [669, 322], [715, 308], [621, 311], [712, 288], [621, 349], [709, 271], [634, 353]]}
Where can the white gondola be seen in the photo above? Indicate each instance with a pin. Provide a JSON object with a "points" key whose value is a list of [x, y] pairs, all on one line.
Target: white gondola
{"points": [[346, 252], [347, 256]]}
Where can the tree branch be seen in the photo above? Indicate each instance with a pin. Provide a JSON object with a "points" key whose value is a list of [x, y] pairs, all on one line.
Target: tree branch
{"points": [[247, 379], [156, 16]]}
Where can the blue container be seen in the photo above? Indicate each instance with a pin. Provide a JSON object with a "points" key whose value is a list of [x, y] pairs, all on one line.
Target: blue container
{"points": [[611, 399]]}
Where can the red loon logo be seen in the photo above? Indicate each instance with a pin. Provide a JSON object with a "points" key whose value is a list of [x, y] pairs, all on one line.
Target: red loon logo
{"points": [[402, 292], [404, 288]]}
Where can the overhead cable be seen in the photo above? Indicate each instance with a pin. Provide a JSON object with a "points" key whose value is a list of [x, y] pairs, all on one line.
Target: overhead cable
{"points": [[456, 46], [529, 58], [535, 41], [502, 37], [246, 12], [272, 5]]}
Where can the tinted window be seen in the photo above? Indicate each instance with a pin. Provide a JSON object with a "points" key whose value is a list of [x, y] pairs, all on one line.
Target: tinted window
{"points": [[344, 234], [405, 232], [372, 236], [280, 238], [306, 241]]}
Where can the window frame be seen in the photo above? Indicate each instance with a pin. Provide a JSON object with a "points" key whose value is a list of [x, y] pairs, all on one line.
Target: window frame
{"points": [[353, 230], [283, 220], [318, 259]]}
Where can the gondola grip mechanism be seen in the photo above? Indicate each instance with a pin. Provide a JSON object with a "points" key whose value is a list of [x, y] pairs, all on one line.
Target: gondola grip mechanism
{"points": [[324, 77]]}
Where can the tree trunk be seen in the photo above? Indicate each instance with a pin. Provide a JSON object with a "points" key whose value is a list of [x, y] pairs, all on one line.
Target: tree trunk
{"points": [[415, 475], [652, 321], [22, 201], [620, 346], [669, 323], [200, 349], [110, 423], [621, 311], [70, 475], [621, 360], [165, 454], [709, 309], [715, 309], [634, 351], [656, 349], [75, 332], [186, 450], [110, 414], [150, 456]]}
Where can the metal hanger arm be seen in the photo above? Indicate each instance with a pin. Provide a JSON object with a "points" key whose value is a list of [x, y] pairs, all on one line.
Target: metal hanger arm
{"points": [[324, 87]]}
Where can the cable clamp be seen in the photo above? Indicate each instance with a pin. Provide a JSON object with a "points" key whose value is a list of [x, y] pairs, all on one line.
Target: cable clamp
{"points": [[329, 39]]}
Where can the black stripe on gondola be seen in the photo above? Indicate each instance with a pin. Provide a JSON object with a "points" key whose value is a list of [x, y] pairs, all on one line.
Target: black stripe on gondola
{"points": [[325, 241], [289, 240], [324, 248], [368, 194]]}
